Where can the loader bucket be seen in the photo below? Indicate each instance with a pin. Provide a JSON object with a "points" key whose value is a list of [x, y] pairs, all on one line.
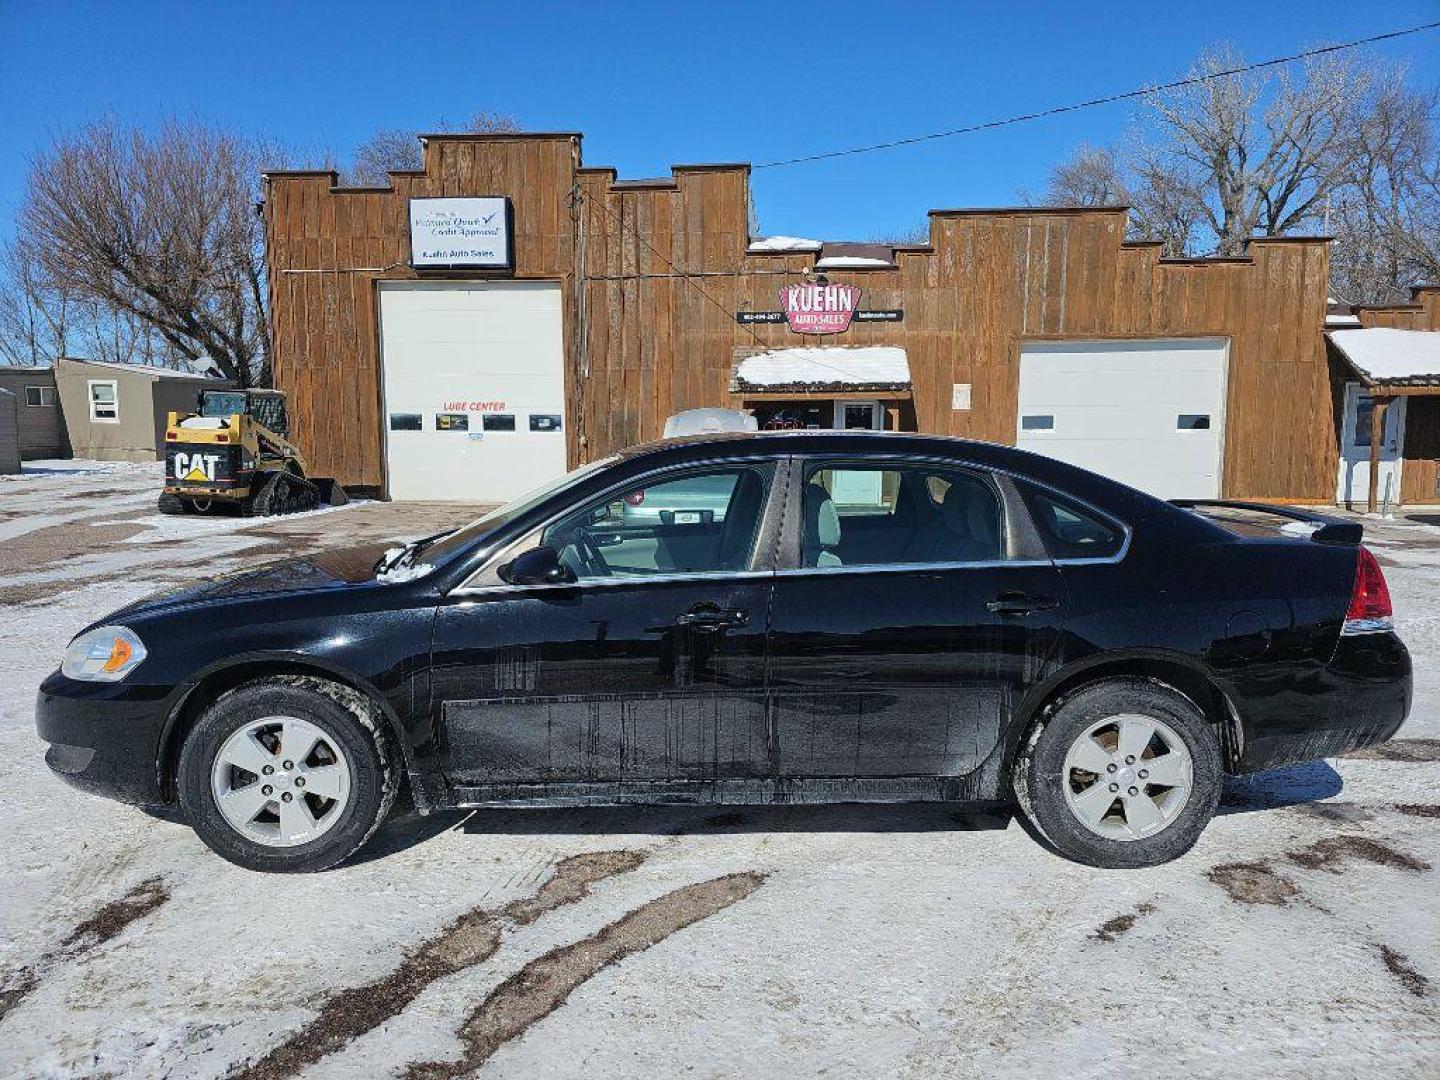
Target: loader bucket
{"points": [[331, 493]]}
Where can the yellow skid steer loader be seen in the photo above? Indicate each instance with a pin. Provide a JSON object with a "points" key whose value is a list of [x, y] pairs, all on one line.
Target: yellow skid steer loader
{"points": [[235, 450]]}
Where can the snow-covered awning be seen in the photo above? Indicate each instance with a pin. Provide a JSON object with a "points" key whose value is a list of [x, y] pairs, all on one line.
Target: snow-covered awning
{"points": [[765, 244], [878, 368], [1384, 355]]}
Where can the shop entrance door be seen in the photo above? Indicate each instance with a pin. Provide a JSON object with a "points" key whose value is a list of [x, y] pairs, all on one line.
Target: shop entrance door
{"points": [[859, 416]]}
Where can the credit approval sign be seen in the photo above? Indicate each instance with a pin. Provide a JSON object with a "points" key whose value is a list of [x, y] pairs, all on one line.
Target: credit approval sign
{"points": [[461, 232]]}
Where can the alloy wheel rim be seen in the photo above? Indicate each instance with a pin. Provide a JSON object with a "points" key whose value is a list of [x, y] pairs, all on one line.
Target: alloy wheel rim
{"points": [[1127, 777], [280, 781]]}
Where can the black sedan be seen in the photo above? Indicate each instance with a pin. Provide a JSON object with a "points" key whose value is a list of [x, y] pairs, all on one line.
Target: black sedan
{"points": [[783, 618]]}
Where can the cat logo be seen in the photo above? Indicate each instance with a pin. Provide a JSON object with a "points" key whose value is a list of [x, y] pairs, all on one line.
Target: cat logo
{"points": [[196, 467]]}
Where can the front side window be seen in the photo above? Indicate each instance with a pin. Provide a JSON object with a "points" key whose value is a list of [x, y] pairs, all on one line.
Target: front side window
{"points": [[40, 397], [698, 523], [104, 401], [269, 410], [1071, 531], [861, 515]]}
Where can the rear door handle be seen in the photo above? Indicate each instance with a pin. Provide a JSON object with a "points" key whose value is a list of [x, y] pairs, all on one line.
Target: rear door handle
{"points": [[1020, 604], [712, 618]]}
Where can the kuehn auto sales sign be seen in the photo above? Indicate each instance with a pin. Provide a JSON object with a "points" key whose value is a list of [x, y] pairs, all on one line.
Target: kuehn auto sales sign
{"points": [[452, 233], [815, 308]]}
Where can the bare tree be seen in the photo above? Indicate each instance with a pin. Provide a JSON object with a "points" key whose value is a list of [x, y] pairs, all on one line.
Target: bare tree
{"points": [[33, 316], [1385, 216], [160, 235], [1262, 151], [1340, 145], [1092, 176], [397, 150], [916, 234]]}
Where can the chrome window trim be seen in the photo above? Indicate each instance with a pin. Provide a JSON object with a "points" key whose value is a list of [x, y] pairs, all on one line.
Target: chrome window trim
{"points": [[615, 582], [911, 568]]}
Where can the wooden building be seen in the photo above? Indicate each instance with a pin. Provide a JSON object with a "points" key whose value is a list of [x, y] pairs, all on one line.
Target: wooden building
{"points": [[1410, 414], [603, 306]]}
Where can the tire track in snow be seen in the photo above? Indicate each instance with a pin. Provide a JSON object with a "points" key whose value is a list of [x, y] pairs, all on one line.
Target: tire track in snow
{"points": [[472, 938], [105, 923], [544, 984]]}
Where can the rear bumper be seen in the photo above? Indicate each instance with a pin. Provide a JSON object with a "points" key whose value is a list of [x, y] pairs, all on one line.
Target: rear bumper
{"points": [[208, 491], [1360, 698], [104, 737]]}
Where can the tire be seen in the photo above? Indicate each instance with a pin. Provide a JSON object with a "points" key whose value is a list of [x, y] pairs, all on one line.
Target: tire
{"points": [[1147, 820], [349, 769]]}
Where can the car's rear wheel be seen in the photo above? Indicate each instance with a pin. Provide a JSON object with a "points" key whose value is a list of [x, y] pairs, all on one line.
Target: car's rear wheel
{"points": [[1123, 773], [289, 774]]}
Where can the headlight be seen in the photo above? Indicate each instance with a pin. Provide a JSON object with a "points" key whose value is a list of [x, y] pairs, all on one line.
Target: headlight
{"points": [[105, 654]]}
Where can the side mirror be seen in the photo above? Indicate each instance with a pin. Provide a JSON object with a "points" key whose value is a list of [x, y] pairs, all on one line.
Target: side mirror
{"points": [[538, 566]]}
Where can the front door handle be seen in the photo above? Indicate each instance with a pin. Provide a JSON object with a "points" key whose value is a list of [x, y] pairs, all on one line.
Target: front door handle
{"points": [[1020, 604], [709, 618]]}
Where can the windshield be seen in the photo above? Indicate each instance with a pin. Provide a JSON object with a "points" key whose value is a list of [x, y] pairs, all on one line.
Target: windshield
{"points": [[216, 403], [488, 522]]}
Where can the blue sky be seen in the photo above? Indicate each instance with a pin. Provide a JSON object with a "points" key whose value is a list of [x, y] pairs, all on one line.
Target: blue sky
{"points": [[651, 83]]}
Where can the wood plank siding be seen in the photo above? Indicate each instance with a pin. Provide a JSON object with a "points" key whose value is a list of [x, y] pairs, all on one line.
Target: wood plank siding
{"points": [[1420, 473], [653, 273]]}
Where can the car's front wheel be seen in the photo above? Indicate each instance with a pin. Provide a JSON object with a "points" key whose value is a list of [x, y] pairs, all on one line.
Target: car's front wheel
{"points": [[289, 774], [1124, 773]]}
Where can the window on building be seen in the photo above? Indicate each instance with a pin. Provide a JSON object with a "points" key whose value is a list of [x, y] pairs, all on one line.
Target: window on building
{"points": [[1038, 422], [1365, 419], [1071, 531], [38, 397], [104, 401], [699, 523], [865, 516]]}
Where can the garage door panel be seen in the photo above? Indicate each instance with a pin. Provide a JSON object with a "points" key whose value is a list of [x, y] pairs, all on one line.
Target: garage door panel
{"points": [[458, 356], [1115, 408]]}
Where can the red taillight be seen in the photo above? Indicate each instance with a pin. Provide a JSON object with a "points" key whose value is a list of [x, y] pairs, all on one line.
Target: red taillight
{"points": [[1370, 609], [222, 438]]}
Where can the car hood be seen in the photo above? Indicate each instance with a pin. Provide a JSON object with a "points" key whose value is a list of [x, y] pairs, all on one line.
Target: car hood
{"points": [[342, 568]]}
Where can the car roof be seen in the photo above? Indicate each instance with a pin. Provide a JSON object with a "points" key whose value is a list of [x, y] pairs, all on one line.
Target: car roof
{"points": [[1126, 502]]}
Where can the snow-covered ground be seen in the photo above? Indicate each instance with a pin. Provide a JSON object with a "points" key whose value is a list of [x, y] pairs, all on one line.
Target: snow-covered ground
{"points": [[1301, 938]]}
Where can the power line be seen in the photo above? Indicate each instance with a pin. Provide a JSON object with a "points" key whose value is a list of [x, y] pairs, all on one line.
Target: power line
{"points": [[687, 277], [1193, 80]]}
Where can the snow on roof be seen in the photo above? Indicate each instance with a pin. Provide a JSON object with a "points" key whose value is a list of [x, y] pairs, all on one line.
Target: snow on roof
{"points": [[28, 369], [1385, 354], [852, 262], [1342, 320], [783, 243], [868, 365], [144, 369]]}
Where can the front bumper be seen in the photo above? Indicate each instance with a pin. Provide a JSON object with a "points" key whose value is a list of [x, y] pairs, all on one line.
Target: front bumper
{"points": [[1360, 698], [105, 738]]}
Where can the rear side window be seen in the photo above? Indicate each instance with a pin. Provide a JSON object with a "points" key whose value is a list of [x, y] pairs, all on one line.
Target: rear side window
{"points": [[1071, 531]]}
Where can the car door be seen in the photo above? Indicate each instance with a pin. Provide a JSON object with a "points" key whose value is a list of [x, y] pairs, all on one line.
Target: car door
{"points": [[913, 607], [646, 671]]}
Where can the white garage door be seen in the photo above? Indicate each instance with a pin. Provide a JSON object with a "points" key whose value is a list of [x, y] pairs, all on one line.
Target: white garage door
{"points": [[474, 388], [1150, 414]]}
